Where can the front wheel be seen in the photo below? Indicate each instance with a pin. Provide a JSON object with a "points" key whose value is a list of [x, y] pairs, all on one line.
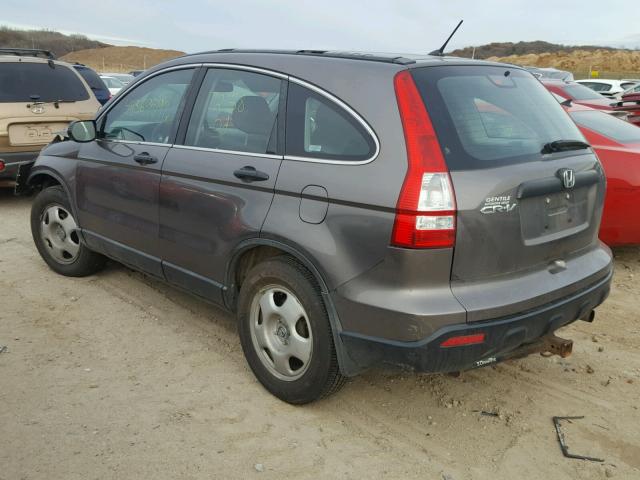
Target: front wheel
{"points": [[56, 235], [285, 332]]}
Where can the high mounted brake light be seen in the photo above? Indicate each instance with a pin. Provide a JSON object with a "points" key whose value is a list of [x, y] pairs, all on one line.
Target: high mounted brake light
{"points": [[426, 208]]}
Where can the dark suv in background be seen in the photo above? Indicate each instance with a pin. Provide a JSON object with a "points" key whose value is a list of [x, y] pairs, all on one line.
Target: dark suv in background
{"points": [[434, 213]]}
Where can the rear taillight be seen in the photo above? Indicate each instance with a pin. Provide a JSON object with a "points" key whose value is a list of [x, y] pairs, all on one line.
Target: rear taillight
{"points": [[1, 165], [426, 209]]}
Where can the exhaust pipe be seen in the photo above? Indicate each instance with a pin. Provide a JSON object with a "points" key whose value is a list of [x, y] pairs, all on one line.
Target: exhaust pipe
{"points": [[589, 317]]}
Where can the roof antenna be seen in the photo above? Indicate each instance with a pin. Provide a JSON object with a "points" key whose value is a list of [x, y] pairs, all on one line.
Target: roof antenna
{"points": [[440, 51]]}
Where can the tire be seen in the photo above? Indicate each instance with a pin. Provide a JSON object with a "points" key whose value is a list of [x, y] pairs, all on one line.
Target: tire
{"points": [[56, 236], [281, 314]]}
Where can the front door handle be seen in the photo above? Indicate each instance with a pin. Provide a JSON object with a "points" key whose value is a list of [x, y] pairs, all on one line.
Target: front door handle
{"points": [[250, 174], [145, 159]]}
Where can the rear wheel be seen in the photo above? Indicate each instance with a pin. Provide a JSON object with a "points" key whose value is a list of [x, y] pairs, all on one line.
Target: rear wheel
{"points": [[56, 235], [285, 332]]}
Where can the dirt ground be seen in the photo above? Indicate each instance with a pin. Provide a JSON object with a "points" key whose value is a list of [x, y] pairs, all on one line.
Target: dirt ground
{"points": [[118, 376]]}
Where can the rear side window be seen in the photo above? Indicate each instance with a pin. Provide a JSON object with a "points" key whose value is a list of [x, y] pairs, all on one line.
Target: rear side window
{"points": [[598, 87], [29, 82], [319, 128], [236, 111], [605, 124], [490, 116], [92, 78]]}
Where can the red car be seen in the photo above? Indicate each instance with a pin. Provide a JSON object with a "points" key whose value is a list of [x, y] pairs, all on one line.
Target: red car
{"points": [[579, 94], [617, 144], [631, 103]]}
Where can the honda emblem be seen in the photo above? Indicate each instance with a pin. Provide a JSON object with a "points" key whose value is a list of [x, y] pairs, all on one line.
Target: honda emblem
{"points": [[568, 177]]}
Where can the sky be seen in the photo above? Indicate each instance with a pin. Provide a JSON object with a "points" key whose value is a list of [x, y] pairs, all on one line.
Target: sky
{"points": [[411, 26]]}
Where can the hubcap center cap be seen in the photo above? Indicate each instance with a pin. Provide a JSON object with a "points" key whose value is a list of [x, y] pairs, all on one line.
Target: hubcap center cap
{"points": [[60, 232], [282, 333]]}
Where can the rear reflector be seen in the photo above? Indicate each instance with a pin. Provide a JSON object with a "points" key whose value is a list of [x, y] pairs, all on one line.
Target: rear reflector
{"points": [[464, 340], [1, 165], [426, 208]]}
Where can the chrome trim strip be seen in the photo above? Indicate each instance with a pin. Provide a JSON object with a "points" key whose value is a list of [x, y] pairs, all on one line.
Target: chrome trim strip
{"points": [[135, 142], [230, 152], [351, 112], [235, 66]]}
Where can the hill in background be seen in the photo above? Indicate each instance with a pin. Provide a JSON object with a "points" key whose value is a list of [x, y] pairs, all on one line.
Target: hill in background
{"points": [[55, 42], [505, 49], [121, 59], [580, 60]]}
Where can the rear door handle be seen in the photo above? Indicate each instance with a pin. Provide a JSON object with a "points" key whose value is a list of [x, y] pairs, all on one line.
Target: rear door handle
{"points": [[250, 174], [145, 159]]}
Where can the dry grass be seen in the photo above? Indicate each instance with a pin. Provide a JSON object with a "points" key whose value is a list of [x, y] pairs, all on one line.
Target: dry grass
{"points": [[616, 64], [121, 59]]}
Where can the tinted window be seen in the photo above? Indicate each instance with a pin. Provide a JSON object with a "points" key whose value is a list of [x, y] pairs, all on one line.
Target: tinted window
{"points": [[92, 78], [319, 128], [605, 124], [148, 112], [627, 85], [27, 82], [235, 110], [580, 92], [489, 116]]}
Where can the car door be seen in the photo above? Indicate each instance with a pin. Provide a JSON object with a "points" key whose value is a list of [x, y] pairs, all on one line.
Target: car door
{"points": [[118, 174], [218, 180]]}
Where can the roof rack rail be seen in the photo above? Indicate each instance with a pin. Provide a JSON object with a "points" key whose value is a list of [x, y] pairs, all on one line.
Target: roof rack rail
{"points": [[28, 52], [326, 53]]}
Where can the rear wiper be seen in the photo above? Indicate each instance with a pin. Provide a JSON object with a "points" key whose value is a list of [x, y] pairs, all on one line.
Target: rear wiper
{"points": [[563, 146]]}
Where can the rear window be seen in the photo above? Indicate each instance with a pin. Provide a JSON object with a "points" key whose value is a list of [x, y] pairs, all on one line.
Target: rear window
{"points": [[605, 124], [28, 82], [491, 116], [580, 92]]}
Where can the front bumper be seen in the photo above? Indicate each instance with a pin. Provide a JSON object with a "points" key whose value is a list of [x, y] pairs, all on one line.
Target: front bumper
{"points": [[13, 161], [502, 336]]}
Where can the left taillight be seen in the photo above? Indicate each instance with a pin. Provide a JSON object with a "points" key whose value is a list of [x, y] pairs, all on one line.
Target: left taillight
{"points": [[426, 207], [1, 165]]}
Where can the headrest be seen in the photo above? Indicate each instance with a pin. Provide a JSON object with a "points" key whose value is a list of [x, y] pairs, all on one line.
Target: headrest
{"points": [[252, 115]]}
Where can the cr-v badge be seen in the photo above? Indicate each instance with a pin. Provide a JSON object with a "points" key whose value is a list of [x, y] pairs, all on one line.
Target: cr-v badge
{"points": [[499, 204]]}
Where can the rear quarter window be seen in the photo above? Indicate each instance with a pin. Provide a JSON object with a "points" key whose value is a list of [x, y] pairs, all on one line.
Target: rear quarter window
{"points": [[28, 82], [319, 128], [491, 116]]}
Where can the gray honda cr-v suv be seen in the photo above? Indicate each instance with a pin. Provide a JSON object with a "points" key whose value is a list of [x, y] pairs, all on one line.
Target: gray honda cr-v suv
{"points": [[435, 213]]}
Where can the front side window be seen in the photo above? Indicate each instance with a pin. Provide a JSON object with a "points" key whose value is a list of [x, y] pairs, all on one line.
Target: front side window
{"points": [[319, 128], [237, 111], [39, 82], [149, 112]]}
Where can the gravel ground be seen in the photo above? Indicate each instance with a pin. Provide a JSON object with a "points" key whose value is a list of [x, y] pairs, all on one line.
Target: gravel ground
{"points": [[118, 376]]}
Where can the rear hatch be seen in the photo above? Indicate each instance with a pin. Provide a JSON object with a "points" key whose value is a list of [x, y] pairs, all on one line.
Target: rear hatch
{"points": [[37, 100], [529, 194]]}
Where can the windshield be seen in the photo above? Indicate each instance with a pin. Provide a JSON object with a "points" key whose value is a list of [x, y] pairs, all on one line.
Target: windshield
{"points": [[580, 92], [491, 116], [28, 82], [607, 125]]}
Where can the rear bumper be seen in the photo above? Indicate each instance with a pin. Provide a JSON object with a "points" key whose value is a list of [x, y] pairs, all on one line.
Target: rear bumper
{"points": [[13, 161], [502, 336]]}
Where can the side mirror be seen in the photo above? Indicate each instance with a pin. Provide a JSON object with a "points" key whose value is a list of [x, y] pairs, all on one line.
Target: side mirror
{"points": [[83, 131]]}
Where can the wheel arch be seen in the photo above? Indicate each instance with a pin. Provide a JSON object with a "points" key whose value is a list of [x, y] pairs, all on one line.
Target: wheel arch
{"points": [[42, 177], [264, 248]]}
